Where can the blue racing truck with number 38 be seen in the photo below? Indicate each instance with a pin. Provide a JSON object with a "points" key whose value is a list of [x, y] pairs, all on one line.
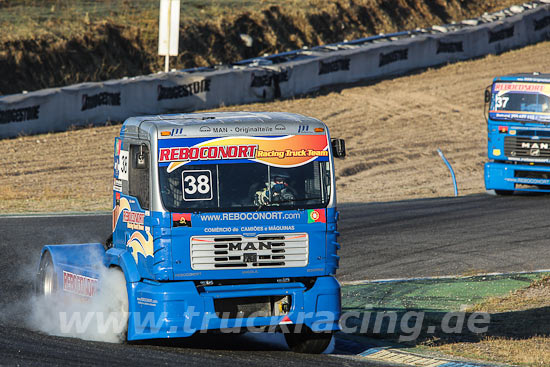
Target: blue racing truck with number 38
{"points": [[518, 125], [220, 221]]}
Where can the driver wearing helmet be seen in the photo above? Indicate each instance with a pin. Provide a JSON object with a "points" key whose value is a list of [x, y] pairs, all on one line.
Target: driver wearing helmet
{"points": [[275, 192]]}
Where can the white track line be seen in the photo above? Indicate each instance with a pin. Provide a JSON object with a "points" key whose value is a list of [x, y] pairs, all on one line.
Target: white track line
{"points": [[52, 215], [357, 282]]}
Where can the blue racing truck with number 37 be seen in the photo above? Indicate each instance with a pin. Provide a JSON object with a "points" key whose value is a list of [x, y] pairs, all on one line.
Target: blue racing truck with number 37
{"points": [[518, 125], [221, 220]]}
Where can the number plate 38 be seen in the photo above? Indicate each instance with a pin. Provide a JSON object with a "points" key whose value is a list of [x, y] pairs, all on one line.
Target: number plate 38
{"points": [[197, 185]]}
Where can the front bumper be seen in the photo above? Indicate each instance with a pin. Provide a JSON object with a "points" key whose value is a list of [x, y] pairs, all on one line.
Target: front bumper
{"points": [[502, 176], [179, 309]]}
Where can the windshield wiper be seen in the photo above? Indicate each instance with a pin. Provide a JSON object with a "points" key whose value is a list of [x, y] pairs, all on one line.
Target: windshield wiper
{"points": [[277, 202], [260, 207], [294, 200]]}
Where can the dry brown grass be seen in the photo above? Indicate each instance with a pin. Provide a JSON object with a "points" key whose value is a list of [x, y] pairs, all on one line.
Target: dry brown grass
{"points": [[519, 332], [28, 19], [534, 351], [537, 295], [68, 171]]}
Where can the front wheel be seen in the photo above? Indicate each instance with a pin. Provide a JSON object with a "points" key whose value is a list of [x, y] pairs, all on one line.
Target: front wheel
{"points": [[504, 192], [308, 341], [114, 300]]}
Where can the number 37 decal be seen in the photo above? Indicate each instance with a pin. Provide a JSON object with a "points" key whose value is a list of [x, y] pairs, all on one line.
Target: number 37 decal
{"points": [[197, 185], [501, 101]]}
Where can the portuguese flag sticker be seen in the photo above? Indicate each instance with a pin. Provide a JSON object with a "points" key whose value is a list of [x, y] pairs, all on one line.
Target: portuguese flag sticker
{"points": [[316, 216]]}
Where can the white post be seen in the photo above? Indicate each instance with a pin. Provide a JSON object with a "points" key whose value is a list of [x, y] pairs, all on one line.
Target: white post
{"points": [[169, 22]]}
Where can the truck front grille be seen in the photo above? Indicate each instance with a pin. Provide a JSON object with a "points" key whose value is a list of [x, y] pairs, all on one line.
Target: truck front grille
{"points": [[526, 147], [238, 252]]}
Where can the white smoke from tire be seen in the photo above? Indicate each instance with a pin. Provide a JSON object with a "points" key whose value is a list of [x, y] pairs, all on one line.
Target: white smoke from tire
{"points": [[102, 317]]}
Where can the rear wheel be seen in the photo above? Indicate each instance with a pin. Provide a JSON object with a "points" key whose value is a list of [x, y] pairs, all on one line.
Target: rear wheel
{"points": [[307, 341], [46, 282], [108, 242]]}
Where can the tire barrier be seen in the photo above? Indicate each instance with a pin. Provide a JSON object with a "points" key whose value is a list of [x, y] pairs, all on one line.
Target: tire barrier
{"points": [[281, 75]]}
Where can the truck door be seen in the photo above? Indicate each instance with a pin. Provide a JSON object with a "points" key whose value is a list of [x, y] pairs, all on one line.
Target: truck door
{"points": [[132, 205], [138, 174]]}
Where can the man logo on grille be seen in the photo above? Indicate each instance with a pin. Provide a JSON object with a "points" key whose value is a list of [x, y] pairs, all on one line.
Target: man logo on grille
{"points": [[534, 152], [535, 145], [249, 246]]}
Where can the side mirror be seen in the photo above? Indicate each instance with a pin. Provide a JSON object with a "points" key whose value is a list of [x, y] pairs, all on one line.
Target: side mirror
{"points": [[141, 157], [487, 101], [338, 148], [141, 161], [487, 95]]}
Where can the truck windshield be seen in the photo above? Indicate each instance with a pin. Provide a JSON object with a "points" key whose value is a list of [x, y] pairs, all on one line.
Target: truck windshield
{"points": [[245, 187], [520, 101]]}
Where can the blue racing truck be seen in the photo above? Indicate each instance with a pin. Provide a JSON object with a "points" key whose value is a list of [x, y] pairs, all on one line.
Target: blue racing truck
{"points": [[222, 220], [518, 124]]}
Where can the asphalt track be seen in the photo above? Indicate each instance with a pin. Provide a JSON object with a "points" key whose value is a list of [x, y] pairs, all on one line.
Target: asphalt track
{"points": [[447, 236]]}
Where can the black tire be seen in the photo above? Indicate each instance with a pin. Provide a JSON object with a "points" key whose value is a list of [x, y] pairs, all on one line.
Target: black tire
{"points": [[46, 281], [307, 341], [504, 192], [108, 242]]}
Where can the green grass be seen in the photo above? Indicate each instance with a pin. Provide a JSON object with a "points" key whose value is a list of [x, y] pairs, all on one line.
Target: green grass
{"points": [[432, 295]]}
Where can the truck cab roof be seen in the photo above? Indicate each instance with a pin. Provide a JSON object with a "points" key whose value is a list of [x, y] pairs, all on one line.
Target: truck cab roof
{"points": [[220, 124], [525, 77]]}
